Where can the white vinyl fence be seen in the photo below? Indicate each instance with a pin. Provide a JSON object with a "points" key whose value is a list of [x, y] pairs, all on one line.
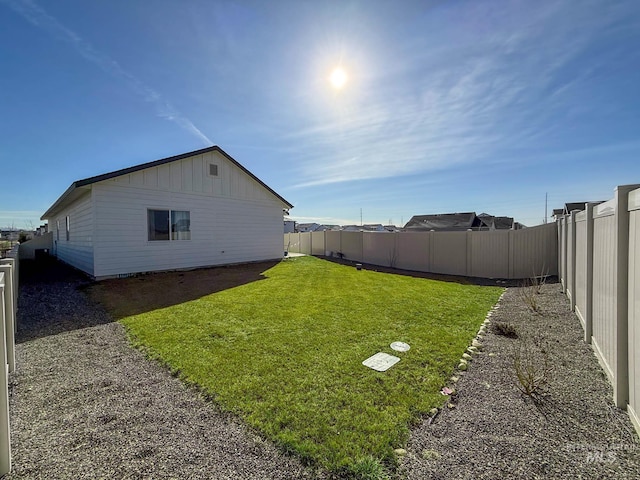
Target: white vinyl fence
{"points": [[8, 306], [599, 262], [509, 254]]}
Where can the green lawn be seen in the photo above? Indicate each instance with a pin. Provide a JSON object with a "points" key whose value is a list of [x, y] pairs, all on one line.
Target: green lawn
{"points": [[285, 353]]}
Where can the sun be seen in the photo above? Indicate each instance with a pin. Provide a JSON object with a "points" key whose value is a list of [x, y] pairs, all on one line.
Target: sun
{"points": [[338, 78]]}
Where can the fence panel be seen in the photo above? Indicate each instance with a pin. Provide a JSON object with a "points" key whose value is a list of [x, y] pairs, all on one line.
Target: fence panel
{"points": [[42, 242], [533, 251], [413, 251], [333, 242], [293, 244], [604, 285], [496, 254], [634, 309], [562, 250], [351, 245], [5, 437], [571, 238], [379, 249], [448, 253], [317, 243], [489, 254], [305, 243], [581, 267]]}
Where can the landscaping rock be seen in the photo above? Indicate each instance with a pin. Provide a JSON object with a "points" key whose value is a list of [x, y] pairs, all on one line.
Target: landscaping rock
{"points": [[574, 432], [430, 455]]}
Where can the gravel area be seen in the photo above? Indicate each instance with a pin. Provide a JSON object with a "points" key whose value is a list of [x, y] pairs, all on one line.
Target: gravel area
{"points": [[493, 431], [84, 404]]}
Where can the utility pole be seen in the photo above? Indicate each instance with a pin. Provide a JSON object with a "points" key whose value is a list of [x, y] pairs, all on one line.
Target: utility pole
{"points": [[546, 195]]}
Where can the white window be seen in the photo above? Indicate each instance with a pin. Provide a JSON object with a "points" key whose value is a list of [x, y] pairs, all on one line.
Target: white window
{"points": [[168, 225], [68, 227]]}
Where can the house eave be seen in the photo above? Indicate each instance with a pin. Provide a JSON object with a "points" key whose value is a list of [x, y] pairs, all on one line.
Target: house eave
{"points": [[69, 195]]}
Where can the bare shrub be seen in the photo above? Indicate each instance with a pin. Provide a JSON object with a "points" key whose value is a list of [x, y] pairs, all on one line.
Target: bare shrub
{"points": [[532, 367], [505, 329]]}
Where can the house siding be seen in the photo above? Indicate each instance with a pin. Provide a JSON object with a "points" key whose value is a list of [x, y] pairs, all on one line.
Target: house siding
{"points": [[78, 250], [233, 218]]}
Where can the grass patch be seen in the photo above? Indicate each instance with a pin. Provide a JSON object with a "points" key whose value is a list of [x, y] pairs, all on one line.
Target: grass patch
{"points": [[285, 352]]}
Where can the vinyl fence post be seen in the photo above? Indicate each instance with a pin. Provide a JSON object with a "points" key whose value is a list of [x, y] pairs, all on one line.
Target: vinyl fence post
{"points": [[9, 315], [572, 261], [5, 438], [564, 254], [621, 382], [14, 262], [588, 314]]}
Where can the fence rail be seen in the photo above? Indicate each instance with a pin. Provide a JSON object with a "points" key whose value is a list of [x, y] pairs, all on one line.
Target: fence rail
{"points": [[509, 254], [599, 260]]}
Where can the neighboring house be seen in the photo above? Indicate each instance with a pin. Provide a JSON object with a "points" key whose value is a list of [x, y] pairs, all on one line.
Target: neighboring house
{"points": [[570, 207], [364, 228], [444, 222], [289, 226], [452, 222], [192, 210], [311, 227]]}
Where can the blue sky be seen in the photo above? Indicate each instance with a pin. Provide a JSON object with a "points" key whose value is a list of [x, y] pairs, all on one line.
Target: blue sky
{"points": [[449, 106]]}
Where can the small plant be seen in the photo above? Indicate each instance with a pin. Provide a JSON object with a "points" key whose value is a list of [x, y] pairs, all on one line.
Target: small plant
{"points": [[529, 292], [537, 282], [531, 288], [369, 468], [532, 368], [505, 329]]}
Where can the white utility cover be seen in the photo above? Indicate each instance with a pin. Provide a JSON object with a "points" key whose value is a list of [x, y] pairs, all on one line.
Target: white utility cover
{"points": [[400, 346], [381, 361]]}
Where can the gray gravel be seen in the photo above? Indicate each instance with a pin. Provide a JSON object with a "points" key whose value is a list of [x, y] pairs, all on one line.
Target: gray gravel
{"points": [[494, 431], [84, 404]]}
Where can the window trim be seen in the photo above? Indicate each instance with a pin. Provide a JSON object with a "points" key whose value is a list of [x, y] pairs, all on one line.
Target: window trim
{"points": [[170, 225], [68, 227]]}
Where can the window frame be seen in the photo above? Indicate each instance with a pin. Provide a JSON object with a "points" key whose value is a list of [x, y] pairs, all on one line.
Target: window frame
{"points": [[174, 233], [67, 223]]}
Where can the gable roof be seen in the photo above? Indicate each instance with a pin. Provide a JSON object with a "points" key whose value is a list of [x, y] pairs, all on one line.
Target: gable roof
{"points": [[72, 192], [440, 221]]}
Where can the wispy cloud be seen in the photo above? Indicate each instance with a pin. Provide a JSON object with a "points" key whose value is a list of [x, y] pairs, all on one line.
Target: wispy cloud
{"points": [[36, 15], [485, 97]]}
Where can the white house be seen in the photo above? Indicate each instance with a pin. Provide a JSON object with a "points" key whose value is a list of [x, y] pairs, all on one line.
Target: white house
{"points": [[197, 209]]}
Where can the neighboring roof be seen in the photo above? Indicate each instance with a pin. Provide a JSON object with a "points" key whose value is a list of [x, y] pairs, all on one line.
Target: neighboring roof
{"points": [[502, 223], [442, 221], [570, 207], [71, 191], [377, 227], [459, 221]]}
